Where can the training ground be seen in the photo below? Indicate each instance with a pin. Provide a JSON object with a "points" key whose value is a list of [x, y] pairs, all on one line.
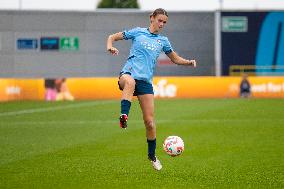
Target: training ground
{"points": [[229, 143]]}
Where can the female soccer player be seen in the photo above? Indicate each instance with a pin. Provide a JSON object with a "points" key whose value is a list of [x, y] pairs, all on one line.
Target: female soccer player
{"points": [[136, 76]]}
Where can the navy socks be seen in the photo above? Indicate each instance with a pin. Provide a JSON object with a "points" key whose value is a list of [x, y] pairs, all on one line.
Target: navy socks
{"points": [[151, 149], [125, 106]]}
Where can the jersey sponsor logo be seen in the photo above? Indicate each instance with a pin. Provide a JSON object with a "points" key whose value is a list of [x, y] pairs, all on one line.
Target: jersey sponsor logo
{"points": [[149, 46]]}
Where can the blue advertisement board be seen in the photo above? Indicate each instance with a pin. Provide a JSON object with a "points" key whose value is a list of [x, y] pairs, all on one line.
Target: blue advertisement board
{"points": [[27, 43], [49, 43], [255, 39]]}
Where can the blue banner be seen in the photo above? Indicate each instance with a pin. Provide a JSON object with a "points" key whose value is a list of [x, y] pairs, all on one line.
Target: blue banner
{"points": [[26, 43], [260, 46], [49, 43]]}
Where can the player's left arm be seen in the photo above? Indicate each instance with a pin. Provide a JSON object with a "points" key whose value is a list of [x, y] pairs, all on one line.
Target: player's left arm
{"points": [[175, 58]]}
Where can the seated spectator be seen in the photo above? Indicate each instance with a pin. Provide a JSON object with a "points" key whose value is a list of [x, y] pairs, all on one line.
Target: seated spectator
{"points": [[50, 90], [63, 92], [245, 90]]}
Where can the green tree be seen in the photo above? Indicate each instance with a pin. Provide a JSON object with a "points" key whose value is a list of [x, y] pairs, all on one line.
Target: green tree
{"points": [[118, 4]]}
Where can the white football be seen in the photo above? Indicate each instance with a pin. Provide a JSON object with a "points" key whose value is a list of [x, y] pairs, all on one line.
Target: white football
{"points": [[173, 145]]}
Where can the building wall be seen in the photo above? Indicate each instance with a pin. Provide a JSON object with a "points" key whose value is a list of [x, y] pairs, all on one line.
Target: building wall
{"points": [[191, 35]]}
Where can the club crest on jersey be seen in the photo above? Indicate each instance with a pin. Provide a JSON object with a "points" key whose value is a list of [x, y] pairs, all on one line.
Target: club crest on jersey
{"points": [[159, 42]]}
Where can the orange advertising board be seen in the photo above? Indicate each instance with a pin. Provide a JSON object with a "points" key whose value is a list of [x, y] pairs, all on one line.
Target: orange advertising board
{"points": [[21, 89], [164, 87], [217, 87], [94, 88]]}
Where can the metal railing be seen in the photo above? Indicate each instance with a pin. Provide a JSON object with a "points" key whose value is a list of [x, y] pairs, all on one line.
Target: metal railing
{"points": [[252, 70]]}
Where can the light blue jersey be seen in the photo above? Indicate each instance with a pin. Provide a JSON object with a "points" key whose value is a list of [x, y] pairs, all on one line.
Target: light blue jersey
{"points": [[145, 50]]}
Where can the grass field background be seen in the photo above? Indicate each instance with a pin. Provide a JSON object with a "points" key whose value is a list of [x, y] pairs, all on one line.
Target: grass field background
{"points": [[229, 143]]}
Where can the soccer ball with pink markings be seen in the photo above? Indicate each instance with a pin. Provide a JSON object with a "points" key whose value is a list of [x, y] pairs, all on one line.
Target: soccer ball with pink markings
{"points": [[173, 145]]}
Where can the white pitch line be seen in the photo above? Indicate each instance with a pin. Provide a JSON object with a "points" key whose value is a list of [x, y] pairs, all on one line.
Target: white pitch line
{"points": [[79, 122], [37, 110]]}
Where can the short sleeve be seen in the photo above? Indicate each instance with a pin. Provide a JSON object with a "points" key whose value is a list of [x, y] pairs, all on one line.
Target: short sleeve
{"points": [[167, 48], [130, 34]]}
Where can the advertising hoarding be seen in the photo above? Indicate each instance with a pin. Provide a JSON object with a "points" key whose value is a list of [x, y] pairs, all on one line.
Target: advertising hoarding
{"points": [[27, 44], [164, 87], [49, 43], [254, 40]]}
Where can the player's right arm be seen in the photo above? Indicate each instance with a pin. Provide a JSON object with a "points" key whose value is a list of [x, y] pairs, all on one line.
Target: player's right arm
{"points": [[111, 38]]}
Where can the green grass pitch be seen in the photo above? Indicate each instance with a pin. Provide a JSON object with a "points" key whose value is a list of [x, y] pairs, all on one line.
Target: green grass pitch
{"points": [[229, 143]]}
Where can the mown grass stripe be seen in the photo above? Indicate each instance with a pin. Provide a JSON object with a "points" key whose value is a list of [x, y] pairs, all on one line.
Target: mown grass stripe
{"points": [[48, 109]]}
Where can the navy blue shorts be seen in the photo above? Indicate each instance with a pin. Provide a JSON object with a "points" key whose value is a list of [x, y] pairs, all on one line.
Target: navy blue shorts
{"points": [[141, 87]]}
